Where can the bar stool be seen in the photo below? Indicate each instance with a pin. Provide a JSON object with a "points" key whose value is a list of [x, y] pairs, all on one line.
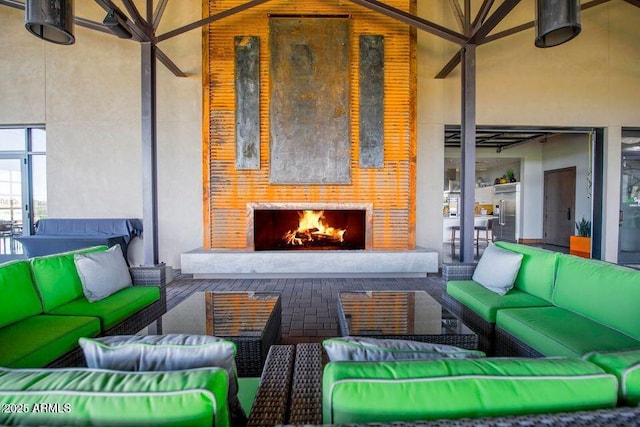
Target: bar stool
{"points": [[488, 231]]}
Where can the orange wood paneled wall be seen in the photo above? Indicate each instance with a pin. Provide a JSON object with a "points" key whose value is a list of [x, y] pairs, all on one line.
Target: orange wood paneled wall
{"points": [[390, 189]]}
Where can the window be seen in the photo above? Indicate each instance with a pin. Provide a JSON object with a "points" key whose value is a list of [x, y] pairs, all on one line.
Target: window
{"points": [[23, 182]]}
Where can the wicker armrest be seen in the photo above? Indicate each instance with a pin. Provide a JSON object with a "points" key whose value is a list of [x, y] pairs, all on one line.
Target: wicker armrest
{"points": [[458, 271], [148, 276], [306, 392], [272, 398]]}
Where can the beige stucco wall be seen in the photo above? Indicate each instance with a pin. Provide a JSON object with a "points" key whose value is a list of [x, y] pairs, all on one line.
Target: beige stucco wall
{"points": [[88, 95]]}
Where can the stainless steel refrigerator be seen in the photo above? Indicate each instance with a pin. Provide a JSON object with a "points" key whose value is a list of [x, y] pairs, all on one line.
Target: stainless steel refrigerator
{"points": [[506, 200]]}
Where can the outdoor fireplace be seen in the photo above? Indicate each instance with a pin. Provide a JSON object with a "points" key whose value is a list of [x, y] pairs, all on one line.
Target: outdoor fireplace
{"points": [[308, 228]]}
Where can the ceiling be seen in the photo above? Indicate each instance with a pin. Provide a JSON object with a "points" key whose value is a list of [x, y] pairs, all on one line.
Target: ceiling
{"points": [[505, 136]]}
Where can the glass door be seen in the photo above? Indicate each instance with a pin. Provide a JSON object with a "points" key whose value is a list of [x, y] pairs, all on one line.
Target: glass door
{"points": [[12, 196], [629, 241]]}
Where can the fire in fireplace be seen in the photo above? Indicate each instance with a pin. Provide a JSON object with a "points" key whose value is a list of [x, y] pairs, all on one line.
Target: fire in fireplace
{"points": [[284, 229]]}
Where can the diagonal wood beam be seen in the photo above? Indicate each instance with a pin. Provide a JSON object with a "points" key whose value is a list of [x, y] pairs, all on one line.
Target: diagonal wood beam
{"points": [[482, 15], [467, 17], [636, 3], [414, 21], [455, 59], [450, 66], [149, 11], [135, 15], [157, 14], [140, 33], [164, 59], [210, 19], [492, 21], [457, 11]]}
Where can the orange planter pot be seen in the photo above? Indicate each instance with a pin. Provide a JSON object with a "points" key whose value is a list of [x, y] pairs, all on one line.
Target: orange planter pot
{"points": [[580, 246]]}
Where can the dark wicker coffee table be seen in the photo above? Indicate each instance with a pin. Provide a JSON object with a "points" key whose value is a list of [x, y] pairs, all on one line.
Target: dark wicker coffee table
{"points": [[250, 319], [410, 315]]}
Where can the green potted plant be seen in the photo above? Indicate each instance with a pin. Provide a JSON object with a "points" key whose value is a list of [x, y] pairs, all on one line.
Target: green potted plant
{"points": [[580, 245], [510, 176]]}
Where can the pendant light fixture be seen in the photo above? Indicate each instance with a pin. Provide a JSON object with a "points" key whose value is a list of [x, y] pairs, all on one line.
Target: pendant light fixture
{"points": [[557, 21], [50, 20]]}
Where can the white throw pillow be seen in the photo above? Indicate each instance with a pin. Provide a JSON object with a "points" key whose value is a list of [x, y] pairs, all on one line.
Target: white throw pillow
{"points": [[102, 273], [364, 349], [497, 269], [170, 352]]}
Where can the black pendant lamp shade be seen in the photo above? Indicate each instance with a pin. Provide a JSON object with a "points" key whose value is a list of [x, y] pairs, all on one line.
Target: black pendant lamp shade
{"points": [[557, 21], [51, 20]]}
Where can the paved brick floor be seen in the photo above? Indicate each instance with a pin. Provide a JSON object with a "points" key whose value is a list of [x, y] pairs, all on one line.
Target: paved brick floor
{"points": [[309, 306]]}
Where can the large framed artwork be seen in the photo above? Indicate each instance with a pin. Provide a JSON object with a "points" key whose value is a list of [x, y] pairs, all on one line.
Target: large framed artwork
{"points": [[310, 141]]}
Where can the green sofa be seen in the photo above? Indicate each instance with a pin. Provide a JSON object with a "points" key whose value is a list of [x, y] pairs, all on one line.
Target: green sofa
{"points": [[43, 311], [561, 305], [98, 397], [491, 391]]}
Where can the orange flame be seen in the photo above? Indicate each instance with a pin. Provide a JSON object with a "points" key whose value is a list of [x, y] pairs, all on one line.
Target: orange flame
{"points": [[312, 228]]}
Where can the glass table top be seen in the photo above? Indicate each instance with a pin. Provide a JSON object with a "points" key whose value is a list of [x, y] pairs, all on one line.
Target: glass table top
{"points": [[396, 313], [224, 314]]}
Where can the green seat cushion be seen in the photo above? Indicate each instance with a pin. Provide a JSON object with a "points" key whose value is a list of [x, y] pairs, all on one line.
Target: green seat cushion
{"points": [[601, 291], [626, 366], [39, 340], [57, 279], [365, 392], [112, 398], [247, 389], [113, 309], [20, 298], [554, 331], [486, 303], [537, 270]]}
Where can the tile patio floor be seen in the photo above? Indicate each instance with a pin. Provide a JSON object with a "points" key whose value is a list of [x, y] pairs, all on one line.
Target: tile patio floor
{"points": [[309, 306]]}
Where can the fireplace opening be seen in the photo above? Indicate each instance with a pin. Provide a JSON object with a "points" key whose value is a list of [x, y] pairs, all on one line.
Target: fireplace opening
{"points": [[291, 229]]}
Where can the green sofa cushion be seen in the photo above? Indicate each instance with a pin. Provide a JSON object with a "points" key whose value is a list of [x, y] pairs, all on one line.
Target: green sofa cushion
{"points": [[39, 340], [247, 389], [111, 398], [604, 292], [554, 331], [113, 309], [486, 303], [537, 271], [57, 279], [364, 392], [626, 366], [20, 298]]}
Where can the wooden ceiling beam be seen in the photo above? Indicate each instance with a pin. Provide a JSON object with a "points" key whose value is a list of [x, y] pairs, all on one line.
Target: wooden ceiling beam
{"points": [[139, 32], [482, 15], [138, 20], [210, 19], [171, 66], [455, 59], [457, 12], [492, 21], [157, 14], [414, 21]]}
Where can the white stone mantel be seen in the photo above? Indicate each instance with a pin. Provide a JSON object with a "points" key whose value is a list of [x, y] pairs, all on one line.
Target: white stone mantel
{"points": [[308, 263]]}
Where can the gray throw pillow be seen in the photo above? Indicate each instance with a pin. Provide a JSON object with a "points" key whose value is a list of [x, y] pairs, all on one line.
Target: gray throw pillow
{"points": [[497, 269], [102, 273], [364, 349], [171, 352]]}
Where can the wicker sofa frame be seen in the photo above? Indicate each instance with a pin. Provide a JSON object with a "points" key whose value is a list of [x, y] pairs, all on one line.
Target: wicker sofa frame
{"points": [[130, 325], [306, 404], [485, 330]]}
